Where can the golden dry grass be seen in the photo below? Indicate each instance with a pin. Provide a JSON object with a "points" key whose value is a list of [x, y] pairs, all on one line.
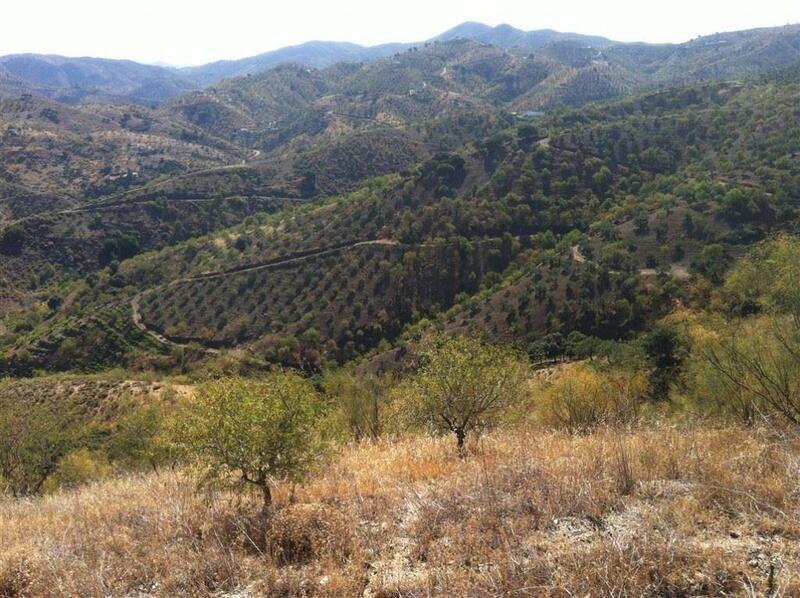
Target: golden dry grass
{"points": [[656, 511]]}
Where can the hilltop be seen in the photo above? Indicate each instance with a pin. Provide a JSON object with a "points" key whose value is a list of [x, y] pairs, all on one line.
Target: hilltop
{"points": [[718, 56]]}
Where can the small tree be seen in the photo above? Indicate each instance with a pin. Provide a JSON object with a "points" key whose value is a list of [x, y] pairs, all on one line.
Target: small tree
{"points": [[253, 430], [357, 399], [665, 349], [33, 439], [465, 384]]}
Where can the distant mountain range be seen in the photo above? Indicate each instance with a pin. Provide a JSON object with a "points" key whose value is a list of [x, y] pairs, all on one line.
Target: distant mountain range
{"points": [[74, 80]]}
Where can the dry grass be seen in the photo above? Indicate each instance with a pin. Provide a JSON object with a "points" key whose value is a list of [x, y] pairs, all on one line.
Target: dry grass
{"points": [[532, 513]]}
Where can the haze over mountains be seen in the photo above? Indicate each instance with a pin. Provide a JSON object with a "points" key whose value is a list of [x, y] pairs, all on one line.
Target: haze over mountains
{"points": [[94, 79]]}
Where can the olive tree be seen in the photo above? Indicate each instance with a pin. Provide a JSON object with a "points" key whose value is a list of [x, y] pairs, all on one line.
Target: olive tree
{"points": [[253, 431], [465, 384]]}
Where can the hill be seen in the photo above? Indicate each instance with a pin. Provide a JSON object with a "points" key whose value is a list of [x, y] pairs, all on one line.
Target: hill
{"points": [[669, 181], [74, 80], [718, 56], [91, 150]]}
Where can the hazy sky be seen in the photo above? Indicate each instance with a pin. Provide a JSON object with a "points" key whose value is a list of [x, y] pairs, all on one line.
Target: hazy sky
{"points": [[185, 32]]}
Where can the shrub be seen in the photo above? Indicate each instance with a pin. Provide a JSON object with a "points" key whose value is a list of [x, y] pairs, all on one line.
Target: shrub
{"points": [[463, 385], [252, 430], [78, 468], [357, 402], [583, 398]]}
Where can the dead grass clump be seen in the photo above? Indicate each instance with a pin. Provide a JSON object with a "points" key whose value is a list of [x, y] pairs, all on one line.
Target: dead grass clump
{"points": [[650, 565], [490, 508], [624, 480], [302, 533], [15, 575]]}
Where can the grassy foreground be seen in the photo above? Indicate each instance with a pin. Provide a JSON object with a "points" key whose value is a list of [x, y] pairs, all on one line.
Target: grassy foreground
{"points": [[654, 511]]}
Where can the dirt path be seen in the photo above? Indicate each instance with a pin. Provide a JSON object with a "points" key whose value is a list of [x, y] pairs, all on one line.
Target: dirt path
{"points": [[121, 204], [149, 186], [116, 200], [398, 567], [677, 271], [139, 323], [284, 261], [577, 254]]}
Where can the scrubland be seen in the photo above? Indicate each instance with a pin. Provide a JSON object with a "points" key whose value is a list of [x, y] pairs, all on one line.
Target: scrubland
{"points": [[655, 510]]}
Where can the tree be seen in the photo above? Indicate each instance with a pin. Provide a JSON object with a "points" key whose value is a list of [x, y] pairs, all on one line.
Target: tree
{"points": [[665, 349], [711, 262], [308, 185], [742, 204], [465, 384], [33, 439], [120, 247], [12, 240], [256, 431], [358, 400]]}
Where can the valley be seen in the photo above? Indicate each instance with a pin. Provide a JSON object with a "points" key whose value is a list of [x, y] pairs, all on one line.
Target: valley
{"points": [[502, 312]]}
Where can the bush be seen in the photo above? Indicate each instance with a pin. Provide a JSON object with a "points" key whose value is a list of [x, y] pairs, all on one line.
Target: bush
{"points": [[583, 398], [78, 468], [357, 403], [252, 430], [463, 385]]}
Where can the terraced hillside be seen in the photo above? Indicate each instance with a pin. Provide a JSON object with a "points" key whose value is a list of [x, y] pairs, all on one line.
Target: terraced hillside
{"points": [[676, 182]]}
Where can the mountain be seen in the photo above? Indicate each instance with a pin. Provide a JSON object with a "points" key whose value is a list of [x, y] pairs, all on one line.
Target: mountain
{"points": [[75, 80], [321, 54], [315, 54], [506, 36], [588, 221], [619, 66]]}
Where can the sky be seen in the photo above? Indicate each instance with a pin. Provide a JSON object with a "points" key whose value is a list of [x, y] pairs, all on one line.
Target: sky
{"points": [[190, 32]]}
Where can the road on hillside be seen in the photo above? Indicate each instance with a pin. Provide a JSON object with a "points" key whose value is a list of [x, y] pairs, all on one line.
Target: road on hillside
{"points": [[138, 320]]}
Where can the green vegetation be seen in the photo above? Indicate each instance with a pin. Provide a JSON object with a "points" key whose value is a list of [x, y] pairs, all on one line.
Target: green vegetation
{"points": [[295, 282], [464, 385], [254, 430], [589, 222]]}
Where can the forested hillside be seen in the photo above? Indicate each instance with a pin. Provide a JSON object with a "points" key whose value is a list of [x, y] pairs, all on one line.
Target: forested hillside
{"points": [[589, 220]]}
